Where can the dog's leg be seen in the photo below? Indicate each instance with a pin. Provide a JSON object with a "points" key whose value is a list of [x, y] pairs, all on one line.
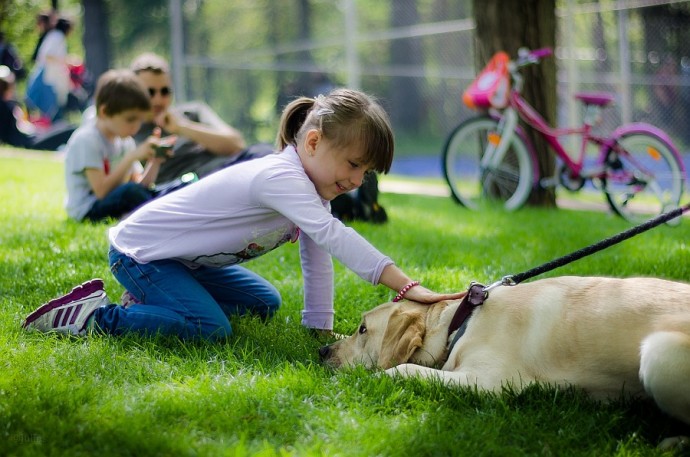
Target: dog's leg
{"points": [[409, 370], [665, 371], [456, 378]]}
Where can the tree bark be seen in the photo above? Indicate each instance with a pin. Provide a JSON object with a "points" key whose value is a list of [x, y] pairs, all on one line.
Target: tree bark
{"points": [[405, 99], [96, 37], [507, 25]]}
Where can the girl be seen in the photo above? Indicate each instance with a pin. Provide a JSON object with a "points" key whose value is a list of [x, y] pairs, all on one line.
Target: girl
{"points": [[179, 255]]}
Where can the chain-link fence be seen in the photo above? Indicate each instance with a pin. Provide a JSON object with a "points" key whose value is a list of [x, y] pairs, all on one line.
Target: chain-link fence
{"points": [[638, 50], [248, 58]]}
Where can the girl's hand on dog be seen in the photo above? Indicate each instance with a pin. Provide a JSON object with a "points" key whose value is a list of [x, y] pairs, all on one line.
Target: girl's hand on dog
{"points": [[423, 295]]}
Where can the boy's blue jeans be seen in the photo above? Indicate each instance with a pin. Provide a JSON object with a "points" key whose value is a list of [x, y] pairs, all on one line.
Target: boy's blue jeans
{"points": [[121, 200], [188, 303]]}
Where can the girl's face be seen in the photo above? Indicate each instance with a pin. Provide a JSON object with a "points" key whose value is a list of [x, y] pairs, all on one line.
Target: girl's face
{"points": [[333, 171], [124, 124]]}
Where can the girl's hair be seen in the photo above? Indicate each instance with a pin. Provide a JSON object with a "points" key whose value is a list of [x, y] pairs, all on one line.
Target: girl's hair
{"points": [[345, 118], [121, 90]]}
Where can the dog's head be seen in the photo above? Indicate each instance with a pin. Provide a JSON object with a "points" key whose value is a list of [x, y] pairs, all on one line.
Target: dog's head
{"points": [[391, 334]]}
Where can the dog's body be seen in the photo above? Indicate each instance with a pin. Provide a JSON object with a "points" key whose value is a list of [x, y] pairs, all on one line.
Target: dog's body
{"points": [[607, 336]]}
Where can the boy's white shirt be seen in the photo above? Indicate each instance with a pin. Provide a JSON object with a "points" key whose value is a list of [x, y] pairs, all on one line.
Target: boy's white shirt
{"points": [[88, 148], [245, 211]]}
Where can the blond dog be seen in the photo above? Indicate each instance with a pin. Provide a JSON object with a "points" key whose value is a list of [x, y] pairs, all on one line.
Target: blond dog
{"points": [[604, 335]]}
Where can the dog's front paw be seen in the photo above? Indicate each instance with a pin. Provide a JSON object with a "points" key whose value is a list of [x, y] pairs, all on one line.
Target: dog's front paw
{"points": [[404, 370]]}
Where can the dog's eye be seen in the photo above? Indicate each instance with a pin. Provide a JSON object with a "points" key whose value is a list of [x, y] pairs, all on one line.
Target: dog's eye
{"points": [[362, 329]]}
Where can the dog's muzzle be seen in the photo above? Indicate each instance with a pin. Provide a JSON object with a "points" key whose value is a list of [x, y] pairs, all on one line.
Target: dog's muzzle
{"points": [[324, 352]]}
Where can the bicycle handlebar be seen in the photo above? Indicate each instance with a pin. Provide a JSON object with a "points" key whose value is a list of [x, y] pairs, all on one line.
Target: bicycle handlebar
{"points": [[540, 53], [527, 56]]}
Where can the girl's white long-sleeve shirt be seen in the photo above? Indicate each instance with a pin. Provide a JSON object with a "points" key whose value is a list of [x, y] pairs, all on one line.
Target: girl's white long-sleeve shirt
{"points": [[247, 210]]}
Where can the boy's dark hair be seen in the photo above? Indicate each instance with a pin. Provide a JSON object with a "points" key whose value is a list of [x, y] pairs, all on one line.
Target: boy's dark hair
{"points": [[121, 90], [149, 61]]}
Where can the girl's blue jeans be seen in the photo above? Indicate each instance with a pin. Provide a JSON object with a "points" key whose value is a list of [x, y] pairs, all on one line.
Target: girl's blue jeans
{"points": [[184, 302]]}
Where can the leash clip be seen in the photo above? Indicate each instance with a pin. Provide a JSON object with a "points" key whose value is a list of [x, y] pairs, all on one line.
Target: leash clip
{"points": [[504, 281]]}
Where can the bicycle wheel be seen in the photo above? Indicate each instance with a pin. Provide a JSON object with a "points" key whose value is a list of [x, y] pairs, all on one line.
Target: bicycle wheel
{"points": [[508, 182], [643, 177]]}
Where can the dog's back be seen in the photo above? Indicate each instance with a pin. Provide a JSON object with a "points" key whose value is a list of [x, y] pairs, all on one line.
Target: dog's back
{"points": [[604, 335]]}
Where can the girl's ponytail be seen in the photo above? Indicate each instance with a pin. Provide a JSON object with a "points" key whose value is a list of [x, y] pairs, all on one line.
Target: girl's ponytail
{"points": [[292, 119]]}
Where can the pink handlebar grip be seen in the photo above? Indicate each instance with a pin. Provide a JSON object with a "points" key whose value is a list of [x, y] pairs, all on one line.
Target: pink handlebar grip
{"points": [[543, 52]]}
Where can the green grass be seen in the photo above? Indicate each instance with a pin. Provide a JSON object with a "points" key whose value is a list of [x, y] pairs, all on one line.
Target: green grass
{"points": [[264, 392]]}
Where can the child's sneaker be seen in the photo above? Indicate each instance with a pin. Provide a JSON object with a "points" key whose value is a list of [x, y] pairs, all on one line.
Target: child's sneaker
{"points": [[127, 299], [69, 313]]}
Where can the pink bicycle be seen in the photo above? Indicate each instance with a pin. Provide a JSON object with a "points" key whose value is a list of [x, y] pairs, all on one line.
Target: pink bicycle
{"points": [[489, 157]]}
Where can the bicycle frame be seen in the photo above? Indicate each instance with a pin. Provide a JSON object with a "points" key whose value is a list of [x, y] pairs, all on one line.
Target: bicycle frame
{"points": [[527, 113], [518, 107]]}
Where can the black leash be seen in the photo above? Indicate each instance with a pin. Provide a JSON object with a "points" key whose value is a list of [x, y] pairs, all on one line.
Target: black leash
{"points": [[512, 280]]}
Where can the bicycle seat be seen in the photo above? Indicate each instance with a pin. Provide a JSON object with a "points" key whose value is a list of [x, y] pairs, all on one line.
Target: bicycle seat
{"points": [[595, 98]]}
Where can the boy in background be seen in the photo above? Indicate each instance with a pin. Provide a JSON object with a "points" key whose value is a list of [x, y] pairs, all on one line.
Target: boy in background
{"points": [[103, 170]]}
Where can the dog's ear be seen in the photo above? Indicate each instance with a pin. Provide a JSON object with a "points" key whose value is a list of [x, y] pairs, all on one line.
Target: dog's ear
{"points": [[404, 335]]}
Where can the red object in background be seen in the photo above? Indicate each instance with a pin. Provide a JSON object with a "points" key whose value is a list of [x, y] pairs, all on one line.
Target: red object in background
{"points": [[77, 72], [42, 122]]}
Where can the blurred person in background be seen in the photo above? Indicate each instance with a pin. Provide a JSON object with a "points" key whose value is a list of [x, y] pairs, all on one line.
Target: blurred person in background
{"points": [[204, 142], [15, 129], [10, 58], [44, 22], [49, 84]]}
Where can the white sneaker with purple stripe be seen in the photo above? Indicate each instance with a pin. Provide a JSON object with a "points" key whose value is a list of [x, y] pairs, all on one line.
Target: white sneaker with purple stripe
{"points": [[69, 313]]}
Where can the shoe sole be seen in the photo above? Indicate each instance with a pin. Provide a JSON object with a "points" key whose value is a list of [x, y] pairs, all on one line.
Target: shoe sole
{"points": [[80, 292]]}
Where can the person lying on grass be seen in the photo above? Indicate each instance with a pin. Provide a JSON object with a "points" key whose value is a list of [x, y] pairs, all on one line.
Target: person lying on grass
{"points": [[179, 255], [15, 128]]}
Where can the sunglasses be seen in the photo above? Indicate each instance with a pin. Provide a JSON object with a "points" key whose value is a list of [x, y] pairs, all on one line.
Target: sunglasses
{"points": [[164, 91]]}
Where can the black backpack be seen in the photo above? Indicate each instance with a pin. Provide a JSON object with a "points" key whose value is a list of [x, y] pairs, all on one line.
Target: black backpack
{"points": [[361, 204]]}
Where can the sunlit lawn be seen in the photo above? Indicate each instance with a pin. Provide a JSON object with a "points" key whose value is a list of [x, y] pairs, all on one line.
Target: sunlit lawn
{"points": [[264, 392]]}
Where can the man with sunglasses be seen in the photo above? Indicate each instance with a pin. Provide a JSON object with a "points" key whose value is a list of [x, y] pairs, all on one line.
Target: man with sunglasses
{"points": [[204, 142]]}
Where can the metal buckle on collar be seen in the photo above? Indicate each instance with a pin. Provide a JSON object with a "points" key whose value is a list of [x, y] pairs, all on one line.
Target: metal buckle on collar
{"points": [[476, 294]]}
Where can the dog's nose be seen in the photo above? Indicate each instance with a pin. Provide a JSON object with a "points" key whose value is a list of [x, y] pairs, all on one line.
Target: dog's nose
{"points": [[324, 351]]}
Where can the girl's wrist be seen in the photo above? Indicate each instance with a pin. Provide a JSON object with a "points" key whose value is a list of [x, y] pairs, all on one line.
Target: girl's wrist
{"points": [[404, 290]]}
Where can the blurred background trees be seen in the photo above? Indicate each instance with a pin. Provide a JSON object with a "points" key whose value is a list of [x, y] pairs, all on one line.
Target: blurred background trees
{"points": [[246, 58]]}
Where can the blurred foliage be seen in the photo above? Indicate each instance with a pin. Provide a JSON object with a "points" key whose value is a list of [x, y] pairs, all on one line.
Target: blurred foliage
{"points": [[18, 21], [246, 58]]}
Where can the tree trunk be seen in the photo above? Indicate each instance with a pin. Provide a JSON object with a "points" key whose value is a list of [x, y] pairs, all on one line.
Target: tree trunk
{"points": [[406, 103], [96, 37], [507, 25]]}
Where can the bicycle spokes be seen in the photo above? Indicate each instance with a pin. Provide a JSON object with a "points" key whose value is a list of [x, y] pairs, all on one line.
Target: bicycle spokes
{"points": [[642, 177]]}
